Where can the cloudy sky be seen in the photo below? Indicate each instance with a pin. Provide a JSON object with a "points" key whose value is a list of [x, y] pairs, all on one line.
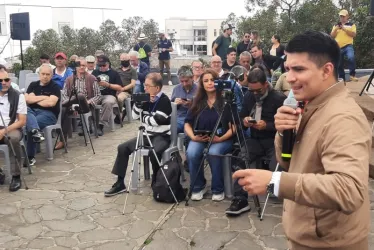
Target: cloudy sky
{"points": [[158, 10]]}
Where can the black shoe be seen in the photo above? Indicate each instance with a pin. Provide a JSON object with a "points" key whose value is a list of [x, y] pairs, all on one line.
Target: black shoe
{"points": [[238, 207], [15, 185], [2, 177], [117, 188], [117, 120], [32, 161], [100, 130], [37, 136]]}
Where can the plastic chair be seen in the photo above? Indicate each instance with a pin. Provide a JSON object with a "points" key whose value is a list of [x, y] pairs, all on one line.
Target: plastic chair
{"points": [[22, 78], [31, 77], [14, 79], [128, 109], [5, 149], [49, 146]]}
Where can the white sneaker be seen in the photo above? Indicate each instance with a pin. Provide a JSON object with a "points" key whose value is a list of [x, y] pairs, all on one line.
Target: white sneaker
{"points": [[198, 196], [170, 83], [218, 197]]}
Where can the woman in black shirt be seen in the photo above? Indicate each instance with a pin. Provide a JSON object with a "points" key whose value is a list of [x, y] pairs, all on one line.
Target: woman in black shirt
{"points": [[203, 115]]}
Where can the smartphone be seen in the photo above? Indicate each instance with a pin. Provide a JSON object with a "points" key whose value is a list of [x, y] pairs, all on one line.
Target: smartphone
{"points": [[251, 121], [202, 132], [184, 99]]}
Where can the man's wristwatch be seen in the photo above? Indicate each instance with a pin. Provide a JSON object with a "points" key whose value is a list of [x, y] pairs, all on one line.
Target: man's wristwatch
{"points": [[270, 188]]}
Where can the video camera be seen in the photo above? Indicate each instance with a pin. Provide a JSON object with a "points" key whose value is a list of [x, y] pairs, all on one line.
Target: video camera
{"points": [[227, 85], [141, 97]]}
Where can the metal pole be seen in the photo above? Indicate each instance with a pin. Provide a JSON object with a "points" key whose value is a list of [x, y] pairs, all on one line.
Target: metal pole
{"points": [[22, 67]]}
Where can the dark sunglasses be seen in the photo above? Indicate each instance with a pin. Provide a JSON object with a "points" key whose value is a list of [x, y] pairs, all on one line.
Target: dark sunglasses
{"points": [[5, 80]]}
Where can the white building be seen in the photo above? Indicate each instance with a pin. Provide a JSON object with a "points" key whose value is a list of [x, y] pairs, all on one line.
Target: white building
{"points": [[193, 36], [47, 17]]}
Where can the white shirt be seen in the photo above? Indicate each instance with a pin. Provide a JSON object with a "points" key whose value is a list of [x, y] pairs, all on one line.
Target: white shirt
{"points": [[5, 108]]}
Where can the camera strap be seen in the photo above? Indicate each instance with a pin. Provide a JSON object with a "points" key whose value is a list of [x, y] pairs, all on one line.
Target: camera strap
{"points": [[154, 106]]}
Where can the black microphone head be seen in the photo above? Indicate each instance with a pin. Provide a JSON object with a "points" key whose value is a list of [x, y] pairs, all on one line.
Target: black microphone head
{"points": [[290, 102]]}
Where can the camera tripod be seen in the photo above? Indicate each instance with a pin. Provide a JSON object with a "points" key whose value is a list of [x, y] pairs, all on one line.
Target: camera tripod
{"points": [[14, 152], [368, 84], [142, 150], [235, 118], [85, 126]]}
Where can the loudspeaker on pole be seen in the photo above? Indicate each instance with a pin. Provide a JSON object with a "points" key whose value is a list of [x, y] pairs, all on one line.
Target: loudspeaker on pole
{"points": [[20, 26]]}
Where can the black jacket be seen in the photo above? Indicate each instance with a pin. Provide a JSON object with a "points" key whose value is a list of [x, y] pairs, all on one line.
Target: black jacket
{"points": [[270, 105]]}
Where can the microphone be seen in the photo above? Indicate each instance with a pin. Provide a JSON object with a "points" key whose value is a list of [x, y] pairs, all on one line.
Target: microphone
{"points": [[288, 135]]}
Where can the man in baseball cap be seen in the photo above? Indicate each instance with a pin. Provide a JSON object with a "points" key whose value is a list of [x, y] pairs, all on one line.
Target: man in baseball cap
{"points": [[61, 72], [223, 42], [344, 32]]}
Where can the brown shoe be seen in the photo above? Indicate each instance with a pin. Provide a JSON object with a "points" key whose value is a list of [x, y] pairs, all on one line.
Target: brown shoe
{"points": [[59, 145]]}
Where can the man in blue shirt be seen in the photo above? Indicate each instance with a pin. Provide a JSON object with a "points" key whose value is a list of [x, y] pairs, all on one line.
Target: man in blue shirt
{"points": [[164, 48], [183, 94], [61, 72]]}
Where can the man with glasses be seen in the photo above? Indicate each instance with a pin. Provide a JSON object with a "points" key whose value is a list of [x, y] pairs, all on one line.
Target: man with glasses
{"points": [[88, 94], [216, 65], [43, 100], [244, 45], [156, 119], [197, 70], [110, 83], [13, 110], [260, 105]]}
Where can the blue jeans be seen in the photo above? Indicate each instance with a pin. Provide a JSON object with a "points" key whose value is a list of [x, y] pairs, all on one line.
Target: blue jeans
{"points": [[349, 53], [194, 156], [139, 88], [37, 119]]}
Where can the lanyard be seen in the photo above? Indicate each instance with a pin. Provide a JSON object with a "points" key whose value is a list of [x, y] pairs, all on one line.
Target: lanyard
{"points": [[154, 106]]}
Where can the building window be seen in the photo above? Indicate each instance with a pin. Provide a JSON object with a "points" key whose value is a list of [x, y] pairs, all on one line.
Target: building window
{"points": [[187, 47], [200, 35], [215, 32], [200, 50], [62, 25]]}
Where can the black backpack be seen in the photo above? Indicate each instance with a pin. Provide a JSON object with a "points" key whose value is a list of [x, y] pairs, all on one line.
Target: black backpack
{"points": [[172, 170]]}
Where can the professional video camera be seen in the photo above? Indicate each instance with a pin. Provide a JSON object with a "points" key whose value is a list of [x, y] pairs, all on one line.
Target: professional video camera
{"points": [[73, 64], [226, 84], [141, 97]]}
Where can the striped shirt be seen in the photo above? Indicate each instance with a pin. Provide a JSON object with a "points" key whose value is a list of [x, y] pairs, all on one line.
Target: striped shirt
{"points": [[80, 85], [155, 116]]}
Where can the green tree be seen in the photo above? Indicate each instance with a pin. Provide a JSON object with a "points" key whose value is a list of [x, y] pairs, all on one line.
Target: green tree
{"points": [[151, 29]]}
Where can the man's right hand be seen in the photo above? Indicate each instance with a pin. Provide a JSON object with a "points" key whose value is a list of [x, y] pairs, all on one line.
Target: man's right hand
{"points": [[286, 118], [200, 138], [246, 123], [178, 101]]}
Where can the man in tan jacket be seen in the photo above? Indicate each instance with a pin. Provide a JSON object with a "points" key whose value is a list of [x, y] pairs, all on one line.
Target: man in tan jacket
{"points": [[325, 191]]}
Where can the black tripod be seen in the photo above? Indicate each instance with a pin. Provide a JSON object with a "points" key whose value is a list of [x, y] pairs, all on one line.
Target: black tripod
{"points": [[368, 84], [79, 110], [142, 150], [235, 118]]}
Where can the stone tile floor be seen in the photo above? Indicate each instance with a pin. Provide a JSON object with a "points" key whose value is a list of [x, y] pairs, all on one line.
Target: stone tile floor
{"points": [[64, 208]]}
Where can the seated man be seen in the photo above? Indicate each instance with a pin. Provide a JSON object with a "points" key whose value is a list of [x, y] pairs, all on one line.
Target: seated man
{"points": [[110, 83], [141, 68], [156, 119], [43, 100], [14, 85], [128, 77], [230, 61], [13, 109], [183, 94], [88, 93], [260, 105], [282, 84]]}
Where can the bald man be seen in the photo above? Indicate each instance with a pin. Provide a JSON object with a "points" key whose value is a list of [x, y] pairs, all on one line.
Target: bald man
{"points": [[43, 100], [216, 65], [13, 109]]}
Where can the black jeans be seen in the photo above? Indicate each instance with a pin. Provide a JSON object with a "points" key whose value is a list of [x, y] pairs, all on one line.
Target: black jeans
{"points": [[258, 149], [160, 144]]}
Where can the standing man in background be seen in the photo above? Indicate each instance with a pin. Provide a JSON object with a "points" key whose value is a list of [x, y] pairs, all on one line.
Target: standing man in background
{"points": [[144, 49], [344, 32], [223, 42], [164, 48], [44, 58], [244, 45]]}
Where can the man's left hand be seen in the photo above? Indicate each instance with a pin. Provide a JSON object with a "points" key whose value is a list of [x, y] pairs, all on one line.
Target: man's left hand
{"points": [[260, 125], [253, 181]]}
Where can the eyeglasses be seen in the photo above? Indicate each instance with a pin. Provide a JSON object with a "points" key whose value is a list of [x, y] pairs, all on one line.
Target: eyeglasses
{"points": [[102, 65], [255, 91], [149, 86], [197, 68], [5, 80]]}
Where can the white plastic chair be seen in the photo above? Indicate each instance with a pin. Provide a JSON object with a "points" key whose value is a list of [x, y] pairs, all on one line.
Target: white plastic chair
{"points": [[22, 78]]}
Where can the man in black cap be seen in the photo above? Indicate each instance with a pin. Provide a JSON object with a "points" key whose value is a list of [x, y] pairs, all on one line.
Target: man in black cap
{"points": [[223, 42], [110, 82]]}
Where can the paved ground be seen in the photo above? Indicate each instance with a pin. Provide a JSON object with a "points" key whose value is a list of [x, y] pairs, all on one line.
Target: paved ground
{"points": [[65, 209]]}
